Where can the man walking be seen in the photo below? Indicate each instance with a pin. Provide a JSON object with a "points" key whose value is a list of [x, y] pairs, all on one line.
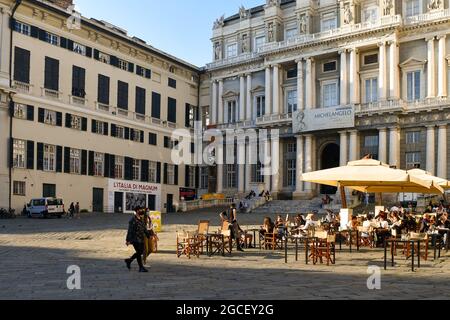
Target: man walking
{"points": [[235, 229], [77, 210], [137, 231]]}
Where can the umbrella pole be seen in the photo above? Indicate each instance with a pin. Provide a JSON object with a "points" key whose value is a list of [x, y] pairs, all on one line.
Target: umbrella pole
{"points": [[343, 197]]}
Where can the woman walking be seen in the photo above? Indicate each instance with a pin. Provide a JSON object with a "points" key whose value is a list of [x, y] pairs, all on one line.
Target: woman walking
{"points": [[137, 231]]}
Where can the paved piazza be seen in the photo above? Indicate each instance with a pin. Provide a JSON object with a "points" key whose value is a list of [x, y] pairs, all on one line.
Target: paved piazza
{"points": [[35, 255]]}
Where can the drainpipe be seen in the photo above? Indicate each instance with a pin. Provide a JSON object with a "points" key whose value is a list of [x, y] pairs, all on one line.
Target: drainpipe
{"points": [[11, 102]]}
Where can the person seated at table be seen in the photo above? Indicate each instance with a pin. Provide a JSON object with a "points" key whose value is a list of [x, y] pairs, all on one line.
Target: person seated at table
{"points": [[310, 222], [440, 210], [425, 224], [353, 224], [330, 216], [383, 231], [367, 223], [267, 195], [279, 222], [299, 221], [267, 227]]}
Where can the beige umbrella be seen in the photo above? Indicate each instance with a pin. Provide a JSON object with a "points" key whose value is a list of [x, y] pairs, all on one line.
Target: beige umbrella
{"points": [[367, 173], [443, 183]]}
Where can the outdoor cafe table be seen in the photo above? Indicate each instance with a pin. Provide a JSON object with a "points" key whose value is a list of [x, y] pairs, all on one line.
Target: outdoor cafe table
{"points": [[350, 232], [255, 231], [394, 241], [296, 239], [216, 237]]}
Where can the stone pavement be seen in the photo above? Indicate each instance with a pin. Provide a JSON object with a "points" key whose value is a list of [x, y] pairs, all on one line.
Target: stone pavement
{"points": [[35, 255]]}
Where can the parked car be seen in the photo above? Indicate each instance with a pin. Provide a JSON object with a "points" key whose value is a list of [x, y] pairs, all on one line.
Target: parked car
{"points": [[45, 208]]}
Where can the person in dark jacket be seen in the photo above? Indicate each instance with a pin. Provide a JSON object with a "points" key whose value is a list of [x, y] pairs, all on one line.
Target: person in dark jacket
{"points": [[137, 231]]}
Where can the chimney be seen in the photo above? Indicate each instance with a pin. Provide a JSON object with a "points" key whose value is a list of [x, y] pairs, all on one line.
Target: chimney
{"points": [[62, 3]]}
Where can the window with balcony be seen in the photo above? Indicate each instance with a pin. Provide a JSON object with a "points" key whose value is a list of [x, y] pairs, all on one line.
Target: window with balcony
{"points": [[413, 160], [260, 106], [259, 42], [291, 103], [19, 154], [291, 33], [330, 94], [99, 159], [231, 111], [413, 85], [371, 90], [329, 21], [413, 8], [75, 161], [136, 170], [232, 50], [49, 158], [119, 167]]}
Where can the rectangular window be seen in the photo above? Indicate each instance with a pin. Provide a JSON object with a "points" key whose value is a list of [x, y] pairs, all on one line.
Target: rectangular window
{"points": [[291, 101], [291, 166], [51, 80], [49, 158], [370, 14], [412, 8], [257, 173], [78, 82], [328, 22], [21, 65], [123, 64], [99, 159], [292, 73], [120, 132], [79, 48], [232, 50], [122, 95], [156, 105], [172, 83], [75, 161], [330, 94], [170, 174], [50, 117], [371, 141], [204, 181], [153, 172], [23, 28], [413, 160], [152, 139], [76, 122], [19, 188], [413, 137], [140, 100], [260, 106], [52, 38], [137, 134], [330, 66], [291, 33], [136, 170], [230, 176], [140, 71], [105, 58], [191, 174], [19, 154], [20, 111], [413, 85], [370, 59], [118, 167], [172, 110], [259, 42], [99, 128], [371, 89], [103, 89], [231, 109]]}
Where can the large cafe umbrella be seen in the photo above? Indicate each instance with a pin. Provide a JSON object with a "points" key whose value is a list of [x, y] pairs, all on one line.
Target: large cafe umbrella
{"points": [[443, 183], [368, 174]]}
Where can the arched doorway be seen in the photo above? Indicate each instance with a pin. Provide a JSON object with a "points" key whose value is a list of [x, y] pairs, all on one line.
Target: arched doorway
{"points": [[330, 158]]}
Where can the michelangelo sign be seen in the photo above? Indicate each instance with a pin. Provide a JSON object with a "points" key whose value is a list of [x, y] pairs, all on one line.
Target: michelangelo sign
{"points": [[323, 119]]}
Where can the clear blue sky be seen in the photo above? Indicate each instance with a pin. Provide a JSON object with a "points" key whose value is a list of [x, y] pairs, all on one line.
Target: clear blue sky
{"points": [[182, 28]]}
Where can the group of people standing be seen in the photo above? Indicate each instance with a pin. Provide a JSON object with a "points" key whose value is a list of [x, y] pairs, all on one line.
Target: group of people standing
{"points": [[74, 209]]}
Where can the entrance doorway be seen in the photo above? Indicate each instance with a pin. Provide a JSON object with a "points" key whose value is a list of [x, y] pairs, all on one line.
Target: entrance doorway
{"points": [[330, 159], [118, 202], [151, 204], [170, 208], [97, 200]]}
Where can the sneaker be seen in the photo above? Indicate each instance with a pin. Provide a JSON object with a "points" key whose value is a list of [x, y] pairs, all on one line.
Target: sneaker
{"points": [[143, 270], [128, 263]]}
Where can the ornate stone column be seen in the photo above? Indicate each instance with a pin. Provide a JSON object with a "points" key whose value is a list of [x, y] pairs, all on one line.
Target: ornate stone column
{"points": [[275, 164], [344, 79], [382, 78], [354, 145], [241, 165], [343, 148], [442, 67], [248, 166], [219, 163], [214, 103], [308, 160], [431, 68], [442, 152], [309, 83], [268, 91], [276, 90], [355, 96], [394, 147], [267, 175], [394, 71], [299, 168], [300, 85], [431, 156], [249, 96], [382, 145], [242, 98], [220, 118]]}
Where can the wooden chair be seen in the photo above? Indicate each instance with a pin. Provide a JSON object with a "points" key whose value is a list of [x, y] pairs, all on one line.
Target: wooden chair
{"points": [[323, 247], [187, 244], [424, 244], [272, 241], [366, 238], [202, 231]]}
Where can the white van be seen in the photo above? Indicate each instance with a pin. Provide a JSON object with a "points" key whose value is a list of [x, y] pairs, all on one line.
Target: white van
{"points": [[45, 208]]}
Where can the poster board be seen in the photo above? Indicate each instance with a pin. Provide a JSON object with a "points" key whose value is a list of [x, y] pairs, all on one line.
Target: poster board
{"points": [[346, 216]]}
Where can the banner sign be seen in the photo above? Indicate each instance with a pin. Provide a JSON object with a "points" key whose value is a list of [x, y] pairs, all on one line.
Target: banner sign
{"points": [[323, 119]]}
